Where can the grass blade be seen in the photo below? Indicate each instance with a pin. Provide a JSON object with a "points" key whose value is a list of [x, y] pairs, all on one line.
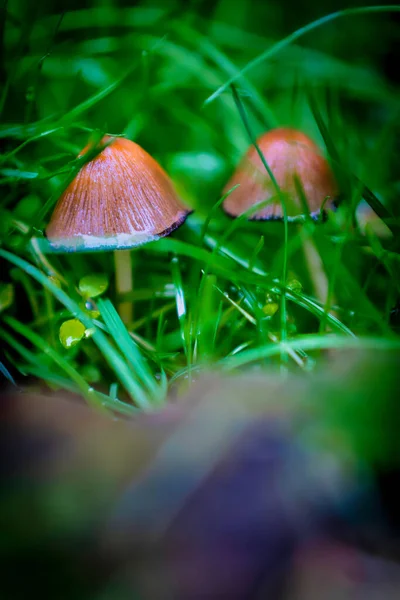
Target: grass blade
{"points": [[112, 356], [309, 342], [130, 351], [283, 43]]}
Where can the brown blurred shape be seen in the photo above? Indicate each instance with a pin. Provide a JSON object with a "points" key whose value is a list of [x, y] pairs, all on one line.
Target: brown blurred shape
{"points": [[233, 490]]}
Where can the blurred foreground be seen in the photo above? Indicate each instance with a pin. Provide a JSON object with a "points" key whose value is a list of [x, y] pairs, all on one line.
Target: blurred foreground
{"points": [[251, 486]]}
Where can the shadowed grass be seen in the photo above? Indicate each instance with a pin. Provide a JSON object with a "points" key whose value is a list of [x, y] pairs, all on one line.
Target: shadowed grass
{"points": [[297, 35]]}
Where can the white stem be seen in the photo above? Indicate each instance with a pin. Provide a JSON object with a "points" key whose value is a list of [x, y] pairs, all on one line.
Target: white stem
{"points": [[316, 269], [124, 282]]}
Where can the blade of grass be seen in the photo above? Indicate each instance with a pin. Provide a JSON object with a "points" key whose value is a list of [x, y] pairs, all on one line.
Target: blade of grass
{"points": [[87, 391], [283, 43], [221, 265], [217, 325], [228, 270], [6, 373], [204, 321], [181, 310], [214, 211], [281, 196], [319, 311], [130, 351], [212, 52], [8, 155], [111, 355], [292, 353], [310, 342], [257, 249], [344, 175]]}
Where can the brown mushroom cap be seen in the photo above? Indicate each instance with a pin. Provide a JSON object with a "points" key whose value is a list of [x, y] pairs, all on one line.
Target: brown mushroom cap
{"points": [[120, 199], [288, 153]]}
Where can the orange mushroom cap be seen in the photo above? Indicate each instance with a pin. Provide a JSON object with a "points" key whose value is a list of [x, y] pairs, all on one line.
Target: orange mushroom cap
{"points": [[289, 154], [119, 199]]}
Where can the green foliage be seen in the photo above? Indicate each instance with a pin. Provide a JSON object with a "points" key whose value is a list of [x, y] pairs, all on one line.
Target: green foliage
{"points": [[91, 286], [218, 291], [71, 333], [6, 295]]}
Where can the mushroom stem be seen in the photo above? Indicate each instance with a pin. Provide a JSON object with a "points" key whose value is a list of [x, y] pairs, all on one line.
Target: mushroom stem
{"points": [[124, 282], [316, 269]]}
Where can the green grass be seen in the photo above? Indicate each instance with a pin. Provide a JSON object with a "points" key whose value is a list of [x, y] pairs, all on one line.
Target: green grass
{"points": [[201, 296]]}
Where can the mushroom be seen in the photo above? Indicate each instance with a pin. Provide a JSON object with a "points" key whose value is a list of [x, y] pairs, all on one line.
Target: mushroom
{"points": [[120, 199], [305, 181], [291, 155]]}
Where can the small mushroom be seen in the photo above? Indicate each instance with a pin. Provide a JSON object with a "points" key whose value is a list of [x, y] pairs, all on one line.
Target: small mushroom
{"points": [[120, 199], [291, 155], [305, 181]]}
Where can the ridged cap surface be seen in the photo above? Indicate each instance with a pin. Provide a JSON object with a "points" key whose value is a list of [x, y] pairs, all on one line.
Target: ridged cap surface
{"points": [[288, 153], [120, 199]]}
